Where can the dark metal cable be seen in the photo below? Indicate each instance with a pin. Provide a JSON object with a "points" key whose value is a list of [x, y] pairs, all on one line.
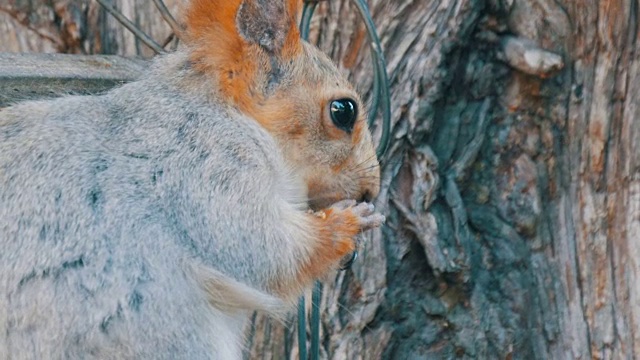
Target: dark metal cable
{"points": [[385, 135], [166, 15], [316, 299], [305, 23], [375, 93], [302, 329], [380, 68], [146, 39], [168, 40]]}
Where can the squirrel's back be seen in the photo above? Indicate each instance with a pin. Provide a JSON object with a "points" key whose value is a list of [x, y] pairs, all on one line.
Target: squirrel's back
{"points": [[95, 223]]}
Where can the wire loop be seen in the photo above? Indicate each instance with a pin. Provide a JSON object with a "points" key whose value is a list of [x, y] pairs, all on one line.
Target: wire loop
{"points": [[381, 99]]}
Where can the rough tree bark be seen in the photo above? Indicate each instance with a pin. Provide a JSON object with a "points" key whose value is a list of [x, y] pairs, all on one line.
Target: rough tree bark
{"points": [[79, 26], [512, 187]]}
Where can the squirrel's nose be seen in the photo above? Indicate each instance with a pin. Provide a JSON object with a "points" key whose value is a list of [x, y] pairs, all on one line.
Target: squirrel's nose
{"points": [[369, 191], [366, 196]]}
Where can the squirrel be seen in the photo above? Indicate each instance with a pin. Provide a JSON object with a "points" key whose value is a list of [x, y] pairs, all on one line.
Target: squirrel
{"points": [[150, 221]]}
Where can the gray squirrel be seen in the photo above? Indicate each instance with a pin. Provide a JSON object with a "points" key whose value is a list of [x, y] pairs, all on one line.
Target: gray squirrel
{"points": [[149, 222]]}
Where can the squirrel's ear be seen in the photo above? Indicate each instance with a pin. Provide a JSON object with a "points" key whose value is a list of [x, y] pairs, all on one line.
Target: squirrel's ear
{"points": [[267, 23], [271, 24], [242, 42]]}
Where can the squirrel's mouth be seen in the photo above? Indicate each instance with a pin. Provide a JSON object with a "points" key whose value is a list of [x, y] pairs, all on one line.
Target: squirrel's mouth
{"points": [[323, 201], [324, 192]]}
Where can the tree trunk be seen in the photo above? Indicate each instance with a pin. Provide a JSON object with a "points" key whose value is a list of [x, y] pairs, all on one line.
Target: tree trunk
{"points": [[511, 188], [79, 26]]}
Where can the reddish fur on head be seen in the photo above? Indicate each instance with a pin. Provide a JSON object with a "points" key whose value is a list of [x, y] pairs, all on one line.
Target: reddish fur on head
{"points": [[286, 85]]}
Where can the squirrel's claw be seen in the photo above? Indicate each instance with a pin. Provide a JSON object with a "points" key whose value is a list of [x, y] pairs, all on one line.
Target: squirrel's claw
{"points": [[369, 219]]}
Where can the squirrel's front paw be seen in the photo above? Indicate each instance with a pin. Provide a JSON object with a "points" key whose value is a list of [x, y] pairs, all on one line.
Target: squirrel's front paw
{"points": [[336, 231], [364, 213], [369, 219], [346, 219]]}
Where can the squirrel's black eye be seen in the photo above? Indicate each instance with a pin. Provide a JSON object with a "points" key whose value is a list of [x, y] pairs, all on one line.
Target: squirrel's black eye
{"points": [[344, 113]]}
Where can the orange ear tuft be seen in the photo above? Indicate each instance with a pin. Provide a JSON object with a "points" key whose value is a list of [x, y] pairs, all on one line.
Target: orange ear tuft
{"points": [[216, 45], [203, 16], [292, 44]]}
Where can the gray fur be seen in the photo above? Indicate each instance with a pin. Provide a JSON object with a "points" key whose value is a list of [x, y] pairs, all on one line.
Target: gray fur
{"points": [[115, 209]]}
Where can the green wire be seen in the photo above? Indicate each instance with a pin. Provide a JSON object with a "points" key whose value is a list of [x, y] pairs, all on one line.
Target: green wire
{"points": [[305, 22], [316, 299], [381, 90], [302, 329]]}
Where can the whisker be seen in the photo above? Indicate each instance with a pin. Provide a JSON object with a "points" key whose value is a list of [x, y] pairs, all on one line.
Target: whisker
{"points": [[357, 171], [371, 181], [357, 167], [364, 175], [363, 162]]}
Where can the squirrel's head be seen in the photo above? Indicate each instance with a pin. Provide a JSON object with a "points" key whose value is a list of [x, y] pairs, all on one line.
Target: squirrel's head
{"points": [[253, 50]]}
